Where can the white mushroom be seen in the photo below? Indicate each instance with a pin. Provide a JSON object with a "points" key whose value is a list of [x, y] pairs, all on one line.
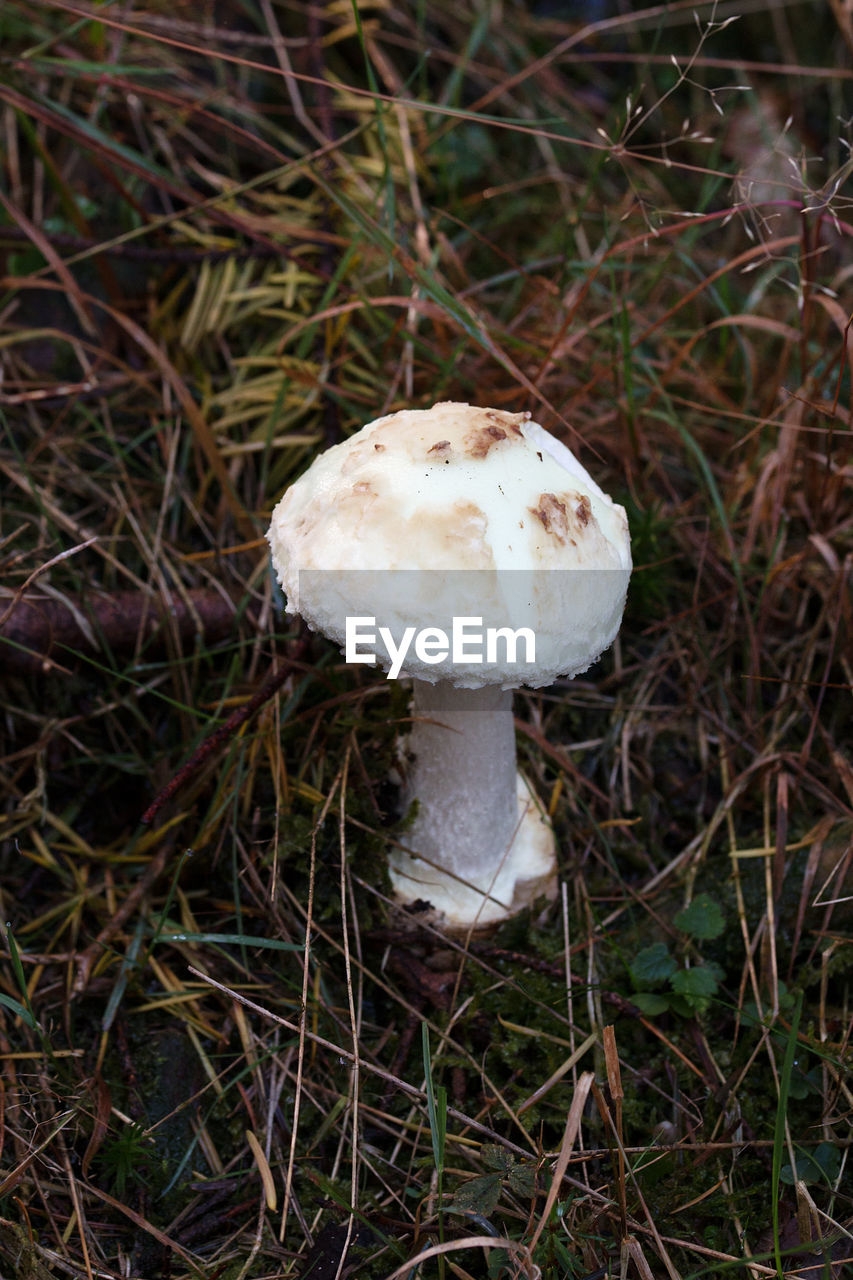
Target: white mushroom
{"points": [[468, 549]]}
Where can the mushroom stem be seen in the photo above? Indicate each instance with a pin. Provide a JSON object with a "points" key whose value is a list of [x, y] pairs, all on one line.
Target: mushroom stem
{"points": [[477, 824], [463, 775]]}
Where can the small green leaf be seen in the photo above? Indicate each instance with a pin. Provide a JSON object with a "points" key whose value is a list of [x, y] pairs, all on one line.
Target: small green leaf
{"points": [[688, 1008], [480, 1195], [822, 1164], [703, 918], [652, 965], [695, 987], [650, 1003], [496, 1157], [522, 1179], [699, 981], [829, 1158]]}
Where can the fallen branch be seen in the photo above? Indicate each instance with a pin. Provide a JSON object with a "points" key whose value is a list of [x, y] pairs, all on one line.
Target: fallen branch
{"points": [[40, 633]]}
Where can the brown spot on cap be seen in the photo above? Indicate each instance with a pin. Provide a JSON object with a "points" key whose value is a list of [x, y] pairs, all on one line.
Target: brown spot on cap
{"points": [[379, 447], [440, 446], [551, 513], [583, 510], [479, 442], [510, 421]]}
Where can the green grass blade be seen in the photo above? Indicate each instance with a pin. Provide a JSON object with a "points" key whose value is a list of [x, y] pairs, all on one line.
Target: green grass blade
{"points": [[779, 1132], [436, 1105], [19, 1011]]}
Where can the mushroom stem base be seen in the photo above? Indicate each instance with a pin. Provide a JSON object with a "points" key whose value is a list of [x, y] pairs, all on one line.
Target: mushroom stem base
{"points": [[527, 871]]}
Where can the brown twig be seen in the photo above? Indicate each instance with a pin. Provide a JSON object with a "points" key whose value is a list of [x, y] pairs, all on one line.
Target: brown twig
{"points": [[37, 626]]}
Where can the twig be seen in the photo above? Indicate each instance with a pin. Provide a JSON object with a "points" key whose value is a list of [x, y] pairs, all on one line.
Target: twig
{"points": [[34, 626], [36, 573]]}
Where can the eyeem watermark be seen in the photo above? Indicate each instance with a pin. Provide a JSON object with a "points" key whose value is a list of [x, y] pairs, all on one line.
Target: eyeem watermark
{"points": [[468, 641]]}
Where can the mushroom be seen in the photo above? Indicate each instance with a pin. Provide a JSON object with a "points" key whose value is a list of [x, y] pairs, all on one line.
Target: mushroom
{"points": [[468, 549]]}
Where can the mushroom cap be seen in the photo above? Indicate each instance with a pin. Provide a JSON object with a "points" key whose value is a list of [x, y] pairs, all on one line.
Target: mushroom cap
{"points": [[424, 516]]}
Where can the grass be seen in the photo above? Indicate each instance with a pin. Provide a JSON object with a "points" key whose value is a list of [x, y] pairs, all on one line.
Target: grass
{"points": [[230, 235]]}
